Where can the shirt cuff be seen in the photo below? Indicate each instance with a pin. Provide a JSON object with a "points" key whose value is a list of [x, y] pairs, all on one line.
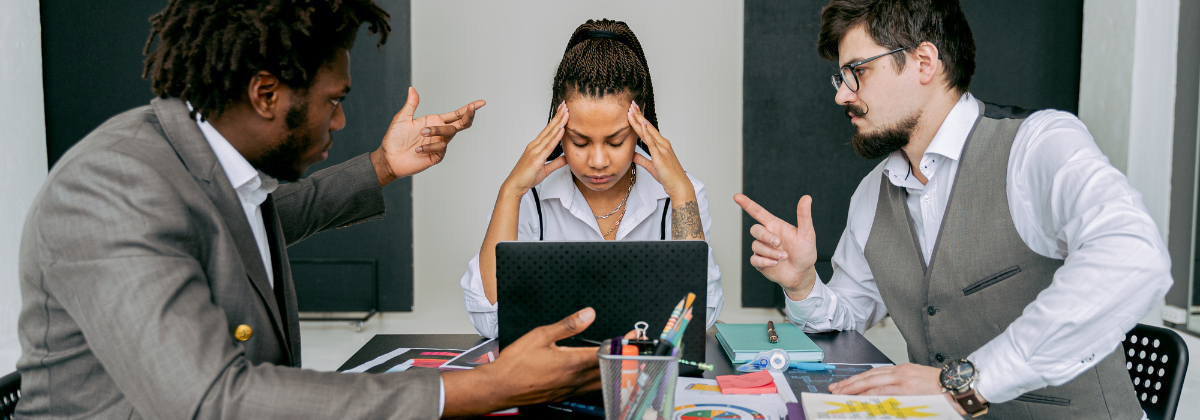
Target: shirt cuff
{"points": [[1003, 377], [441, 396], [802, 311]]}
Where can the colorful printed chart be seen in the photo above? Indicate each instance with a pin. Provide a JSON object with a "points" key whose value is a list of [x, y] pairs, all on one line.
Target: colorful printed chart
{"points": [[716, 412]]}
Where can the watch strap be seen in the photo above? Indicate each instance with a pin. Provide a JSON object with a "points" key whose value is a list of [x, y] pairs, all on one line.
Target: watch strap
{"points": [[969, 401]]}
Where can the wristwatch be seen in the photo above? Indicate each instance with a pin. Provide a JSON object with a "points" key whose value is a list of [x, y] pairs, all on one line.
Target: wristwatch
{"points": [[958, 378]]}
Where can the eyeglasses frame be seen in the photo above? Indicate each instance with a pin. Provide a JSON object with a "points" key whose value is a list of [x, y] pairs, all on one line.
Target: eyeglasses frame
{"points": [[838, 79]]}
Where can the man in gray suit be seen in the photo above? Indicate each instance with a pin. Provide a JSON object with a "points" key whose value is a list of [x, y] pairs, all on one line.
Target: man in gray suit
{"points": [[154, 269]]}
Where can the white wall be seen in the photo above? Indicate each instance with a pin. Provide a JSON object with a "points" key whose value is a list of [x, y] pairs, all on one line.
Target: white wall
{"points": [[1127, 95], [506, 53], [24, 158]]}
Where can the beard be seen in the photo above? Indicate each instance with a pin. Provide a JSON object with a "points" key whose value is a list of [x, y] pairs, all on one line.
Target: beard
{"points": [[882, 142], [284, 161]]}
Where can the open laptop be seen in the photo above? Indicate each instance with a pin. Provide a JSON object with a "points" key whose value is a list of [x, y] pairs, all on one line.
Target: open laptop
{"points": [[540, 283]]}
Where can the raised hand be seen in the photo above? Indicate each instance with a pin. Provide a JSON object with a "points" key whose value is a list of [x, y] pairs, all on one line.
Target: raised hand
{"points": [[530, 370], [412, 145], [785, 254], [532, 168], [665, 168]]}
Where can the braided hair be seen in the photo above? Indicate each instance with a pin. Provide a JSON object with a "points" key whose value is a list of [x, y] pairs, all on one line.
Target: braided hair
{"points": [[208, 50], [604, 58]]}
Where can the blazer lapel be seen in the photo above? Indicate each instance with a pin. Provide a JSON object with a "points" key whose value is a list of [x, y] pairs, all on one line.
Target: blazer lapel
{"points": [[285, 290], [197, 156]]}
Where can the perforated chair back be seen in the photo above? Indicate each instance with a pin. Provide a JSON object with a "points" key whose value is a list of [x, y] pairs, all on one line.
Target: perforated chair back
{"points": [[1157, 360], [10, 392]]}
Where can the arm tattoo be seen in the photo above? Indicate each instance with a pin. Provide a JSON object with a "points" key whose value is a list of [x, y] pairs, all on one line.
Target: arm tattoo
{"points": [[685, 221]]}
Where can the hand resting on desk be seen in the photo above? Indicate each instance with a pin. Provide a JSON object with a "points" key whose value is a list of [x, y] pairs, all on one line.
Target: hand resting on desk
{"points": [[530, 370], [905, 379]]}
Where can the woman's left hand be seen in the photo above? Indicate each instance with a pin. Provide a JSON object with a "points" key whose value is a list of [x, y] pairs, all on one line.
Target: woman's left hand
{"points": [[665, 167]]}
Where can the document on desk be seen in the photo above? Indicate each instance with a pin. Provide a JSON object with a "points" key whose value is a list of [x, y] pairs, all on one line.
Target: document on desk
{"points": [[819, 381], [877, 407], [702, 399], [402, 359], [486, 352]]}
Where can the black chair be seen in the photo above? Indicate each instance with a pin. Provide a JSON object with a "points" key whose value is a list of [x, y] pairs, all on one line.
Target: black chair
{"points": [[10, 392], [1157, 360]]}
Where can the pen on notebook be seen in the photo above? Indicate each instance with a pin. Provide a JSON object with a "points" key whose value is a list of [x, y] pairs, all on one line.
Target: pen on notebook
{"points": [[774, 338]]}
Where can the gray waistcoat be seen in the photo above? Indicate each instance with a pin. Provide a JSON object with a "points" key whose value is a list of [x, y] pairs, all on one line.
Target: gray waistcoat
{"points": [[979, 279]]}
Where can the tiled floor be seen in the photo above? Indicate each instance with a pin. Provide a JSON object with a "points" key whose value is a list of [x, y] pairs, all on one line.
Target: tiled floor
{"points": [[326, 345]]}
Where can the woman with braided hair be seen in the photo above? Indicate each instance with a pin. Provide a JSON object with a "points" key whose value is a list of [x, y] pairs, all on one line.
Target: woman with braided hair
{"points": [[600, 170]]}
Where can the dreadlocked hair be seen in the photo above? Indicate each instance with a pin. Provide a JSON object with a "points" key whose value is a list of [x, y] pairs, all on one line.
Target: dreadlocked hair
{"points": [[596, 65], [208, 50]]}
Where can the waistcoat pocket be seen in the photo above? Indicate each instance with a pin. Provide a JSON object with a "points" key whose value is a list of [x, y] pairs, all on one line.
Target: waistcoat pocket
{"points": [[991, 280], [1043, 399]]}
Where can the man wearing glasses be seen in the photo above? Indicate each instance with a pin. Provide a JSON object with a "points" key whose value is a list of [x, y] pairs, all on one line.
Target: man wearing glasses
{"points": [[1011, 254]]}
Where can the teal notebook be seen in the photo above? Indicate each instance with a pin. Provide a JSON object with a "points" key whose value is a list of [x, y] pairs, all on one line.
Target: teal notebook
{"points": [[744, 341]]}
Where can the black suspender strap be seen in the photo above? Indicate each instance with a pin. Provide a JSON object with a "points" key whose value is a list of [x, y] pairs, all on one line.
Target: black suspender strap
{"points": [[663, 224], [537, 202]]}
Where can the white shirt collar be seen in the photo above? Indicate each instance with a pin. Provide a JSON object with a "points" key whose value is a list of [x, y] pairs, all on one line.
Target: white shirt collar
{"points": [[948, 142], [252, 185]]}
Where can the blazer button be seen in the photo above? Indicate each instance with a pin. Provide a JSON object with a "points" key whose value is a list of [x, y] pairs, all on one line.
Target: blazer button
{"points": [[931, 310], [243, 332], [940, 358]]}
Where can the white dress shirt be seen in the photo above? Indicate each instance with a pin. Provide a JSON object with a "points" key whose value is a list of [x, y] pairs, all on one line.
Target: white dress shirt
{"points": [[1067, 202], [252, 188], [567, 216]]}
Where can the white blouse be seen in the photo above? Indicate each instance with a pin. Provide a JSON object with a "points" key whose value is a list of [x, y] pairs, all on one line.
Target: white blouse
{"points": [[566, 216]]}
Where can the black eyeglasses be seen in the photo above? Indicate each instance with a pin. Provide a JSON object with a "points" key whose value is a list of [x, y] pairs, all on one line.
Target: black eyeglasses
{"points": [[848, 76]]}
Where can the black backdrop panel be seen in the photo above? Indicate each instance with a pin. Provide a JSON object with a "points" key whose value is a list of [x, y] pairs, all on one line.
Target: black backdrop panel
{"points": [[379, 80], [796, 139], [92, 66]]}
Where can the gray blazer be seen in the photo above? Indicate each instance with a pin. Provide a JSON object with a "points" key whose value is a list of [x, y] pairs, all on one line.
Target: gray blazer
{"points": [[138, 265]]}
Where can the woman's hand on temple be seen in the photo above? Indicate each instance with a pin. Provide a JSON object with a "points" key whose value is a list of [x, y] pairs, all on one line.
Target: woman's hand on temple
{"points": [[665, 167], [532, 168]]}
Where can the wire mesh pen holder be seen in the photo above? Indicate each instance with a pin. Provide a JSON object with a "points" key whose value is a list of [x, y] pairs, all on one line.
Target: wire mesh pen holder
{"points": [[638, 387]]}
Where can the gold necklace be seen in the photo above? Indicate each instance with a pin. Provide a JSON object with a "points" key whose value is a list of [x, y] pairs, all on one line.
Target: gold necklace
{"points": [[632, 180]]}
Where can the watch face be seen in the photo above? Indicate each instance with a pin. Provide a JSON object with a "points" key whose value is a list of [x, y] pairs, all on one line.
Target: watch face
{"points": [[958, 374]]}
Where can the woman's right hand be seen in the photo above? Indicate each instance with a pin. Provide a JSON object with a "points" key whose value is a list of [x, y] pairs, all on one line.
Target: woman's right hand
{"points": [[533, 168]]}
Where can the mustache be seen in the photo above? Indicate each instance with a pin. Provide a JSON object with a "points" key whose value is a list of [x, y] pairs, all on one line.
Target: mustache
{"points": [[857, 111]]}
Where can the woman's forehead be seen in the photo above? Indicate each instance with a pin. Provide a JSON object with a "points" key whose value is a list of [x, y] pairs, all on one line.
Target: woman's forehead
{"points": [[598, 117]]}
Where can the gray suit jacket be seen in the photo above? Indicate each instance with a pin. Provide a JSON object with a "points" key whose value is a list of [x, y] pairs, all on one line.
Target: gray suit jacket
{"points": [[138, 264]]}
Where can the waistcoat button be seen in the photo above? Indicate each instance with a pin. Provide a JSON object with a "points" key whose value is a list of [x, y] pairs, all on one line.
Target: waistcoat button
{"points": [[940, 358], [932, 311]]}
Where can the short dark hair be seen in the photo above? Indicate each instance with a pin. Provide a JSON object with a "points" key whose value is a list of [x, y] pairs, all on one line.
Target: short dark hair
{"points": [[208, 50], [609, 64], [905, 24]]}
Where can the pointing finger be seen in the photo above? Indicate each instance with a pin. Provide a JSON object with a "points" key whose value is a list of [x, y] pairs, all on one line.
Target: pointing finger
{"points": [[754, 210], [465, 113]]}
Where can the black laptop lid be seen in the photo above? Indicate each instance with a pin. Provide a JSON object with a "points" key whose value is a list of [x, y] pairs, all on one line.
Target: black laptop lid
{"points": [[540, 283]]}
